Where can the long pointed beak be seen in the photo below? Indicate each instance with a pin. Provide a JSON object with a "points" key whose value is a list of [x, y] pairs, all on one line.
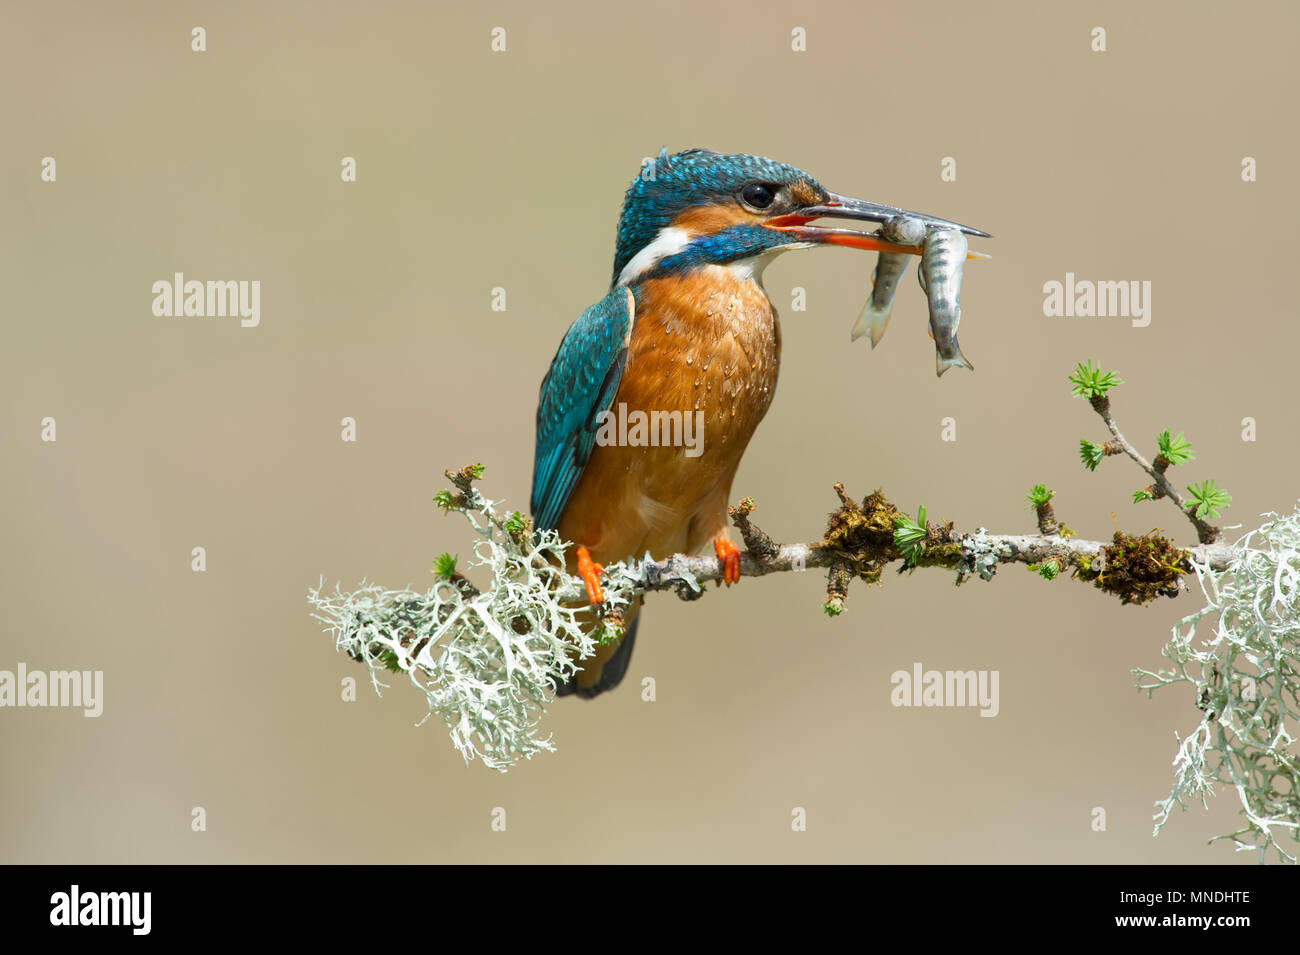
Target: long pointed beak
{"points": [[843, 207]]}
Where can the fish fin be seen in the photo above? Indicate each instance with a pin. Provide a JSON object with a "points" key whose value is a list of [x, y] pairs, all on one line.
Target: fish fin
{"points": [[942, 364], [872, 321]]}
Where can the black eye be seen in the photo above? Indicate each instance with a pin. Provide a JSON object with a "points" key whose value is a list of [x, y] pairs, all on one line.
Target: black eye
{"points": [[760, 195]]}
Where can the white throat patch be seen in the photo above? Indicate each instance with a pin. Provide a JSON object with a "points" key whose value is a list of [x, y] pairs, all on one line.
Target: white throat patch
{"points": [[671, 241]]}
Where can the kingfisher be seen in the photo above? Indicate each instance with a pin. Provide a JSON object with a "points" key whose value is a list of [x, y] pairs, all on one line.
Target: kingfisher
{"points": [[686, 333]]}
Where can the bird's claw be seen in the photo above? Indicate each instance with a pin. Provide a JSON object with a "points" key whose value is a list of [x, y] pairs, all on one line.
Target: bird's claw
{"points": [[729, 554], [590, 572]]}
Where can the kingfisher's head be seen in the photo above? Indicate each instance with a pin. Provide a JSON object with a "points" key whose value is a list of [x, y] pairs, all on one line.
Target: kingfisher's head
{"points": [[699, 207]]}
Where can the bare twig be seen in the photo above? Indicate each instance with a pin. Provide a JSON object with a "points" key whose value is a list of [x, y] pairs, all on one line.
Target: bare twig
{"points": [[1046, 515], [757, 543]]}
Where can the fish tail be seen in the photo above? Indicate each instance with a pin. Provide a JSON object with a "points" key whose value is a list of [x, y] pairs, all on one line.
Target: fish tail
{"points": [[872, 321], [942, 363]]}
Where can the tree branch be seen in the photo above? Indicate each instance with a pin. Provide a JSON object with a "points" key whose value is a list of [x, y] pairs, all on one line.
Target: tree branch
{"points": [[1205, 532], [860, 542], [489, 661], [668, 574]]}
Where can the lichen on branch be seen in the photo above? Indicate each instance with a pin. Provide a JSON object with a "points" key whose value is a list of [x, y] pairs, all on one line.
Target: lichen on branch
{"points": [[489, 657], [1240, 655], [486, 661]]}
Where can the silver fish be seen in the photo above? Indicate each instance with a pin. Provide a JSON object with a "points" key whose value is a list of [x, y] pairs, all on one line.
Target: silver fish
{"points": [[889, 270], [941, 266]]}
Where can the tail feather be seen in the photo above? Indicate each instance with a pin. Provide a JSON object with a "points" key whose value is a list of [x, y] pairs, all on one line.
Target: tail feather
{"points": [[613, 671]]}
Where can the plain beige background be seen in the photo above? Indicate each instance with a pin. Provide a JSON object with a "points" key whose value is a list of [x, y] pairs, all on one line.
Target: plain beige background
{"points": [[478, 170]]}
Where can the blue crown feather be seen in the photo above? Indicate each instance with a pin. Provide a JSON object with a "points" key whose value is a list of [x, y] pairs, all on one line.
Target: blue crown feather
{"points": [[688, 178]]}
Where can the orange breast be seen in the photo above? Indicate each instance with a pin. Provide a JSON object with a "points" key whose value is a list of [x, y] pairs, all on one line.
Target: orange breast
{"points": [[701, 371]]}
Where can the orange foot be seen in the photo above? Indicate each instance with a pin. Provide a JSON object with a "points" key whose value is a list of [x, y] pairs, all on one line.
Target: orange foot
{"points": [[590, 572], [729, 554]]}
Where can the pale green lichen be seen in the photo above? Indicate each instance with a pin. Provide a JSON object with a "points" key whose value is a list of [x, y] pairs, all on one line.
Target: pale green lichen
{"points": [[487, 663], [980, 555], [1244, 669]]}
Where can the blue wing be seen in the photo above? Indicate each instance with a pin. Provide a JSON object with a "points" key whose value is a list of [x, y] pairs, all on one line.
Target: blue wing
{"points": [[581, 383]]}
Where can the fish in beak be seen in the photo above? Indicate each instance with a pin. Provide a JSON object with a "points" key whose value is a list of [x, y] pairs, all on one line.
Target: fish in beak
{"points": [[941, 243], [843, 207], [941, 268], [889, 270]]}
